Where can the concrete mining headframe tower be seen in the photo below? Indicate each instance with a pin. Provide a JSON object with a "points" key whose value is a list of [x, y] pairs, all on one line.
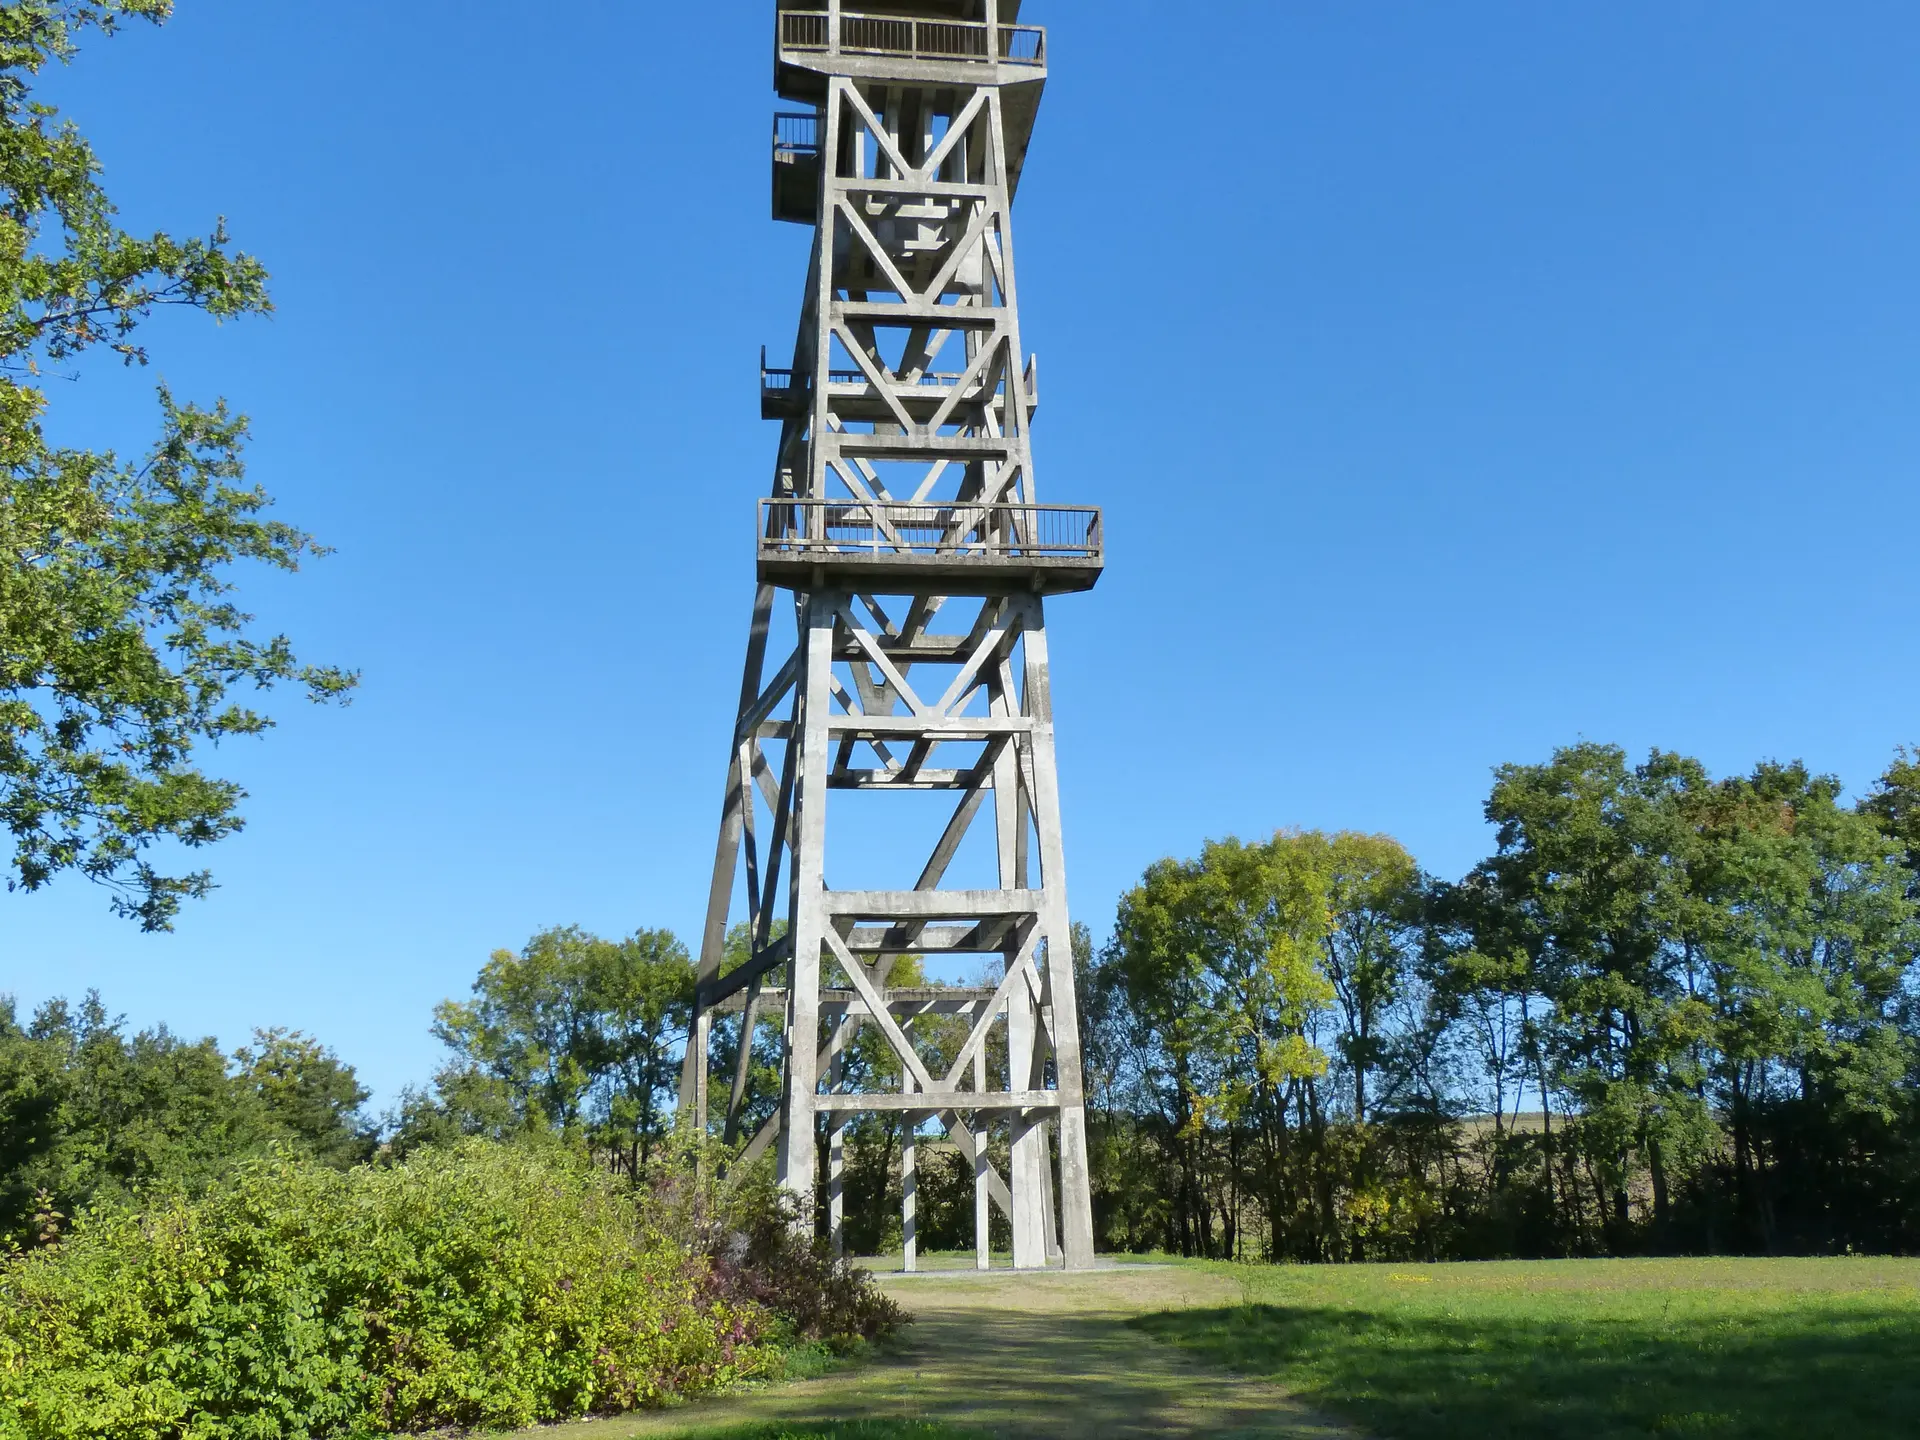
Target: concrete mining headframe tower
{"points": [[905, 536]]}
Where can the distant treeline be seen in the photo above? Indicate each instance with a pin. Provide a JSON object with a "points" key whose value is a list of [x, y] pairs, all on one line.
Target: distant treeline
{"points": [[91, 1113], [1668, 1014]]}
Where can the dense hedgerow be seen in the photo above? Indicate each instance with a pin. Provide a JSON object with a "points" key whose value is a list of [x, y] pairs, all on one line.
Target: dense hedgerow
{"points": [[482, 1285]]}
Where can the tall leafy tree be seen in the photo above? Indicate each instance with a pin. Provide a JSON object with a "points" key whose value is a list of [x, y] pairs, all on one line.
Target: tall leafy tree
{"points": [[1894, 805], [643, 992], [1374, 907], [121, 647], [306, 1096], [1594, 852], [572, 1033], [1808, 970], [1219, 968]]}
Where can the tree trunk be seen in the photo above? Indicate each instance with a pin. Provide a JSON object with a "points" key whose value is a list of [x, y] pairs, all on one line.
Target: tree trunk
{"points": [[1662, 1213]]}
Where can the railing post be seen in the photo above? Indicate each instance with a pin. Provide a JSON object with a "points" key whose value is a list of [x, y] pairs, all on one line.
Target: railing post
{"points": [[992, 8], [833, 27]]}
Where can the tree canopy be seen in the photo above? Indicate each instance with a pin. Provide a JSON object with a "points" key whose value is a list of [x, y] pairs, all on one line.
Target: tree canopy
{"points": [[1668, 1012], [573, 1033], [89, 1112], [122, 650]]}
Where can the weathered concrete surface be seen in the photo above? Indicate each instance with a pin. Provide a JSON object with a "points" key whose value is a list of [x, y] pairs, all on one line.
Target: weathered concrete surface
{"points": [[1023, 1355]]}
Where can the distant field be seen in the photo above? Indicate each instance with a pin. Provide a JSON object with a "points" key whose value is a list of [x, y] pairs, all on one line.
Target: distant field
{"points": [[1589, 1349]]}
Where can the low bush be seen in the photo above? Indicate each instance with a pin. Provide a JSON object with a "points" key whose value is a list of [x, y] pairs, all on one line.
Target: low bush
{"points": [[483, 1285], [743, 1224]]}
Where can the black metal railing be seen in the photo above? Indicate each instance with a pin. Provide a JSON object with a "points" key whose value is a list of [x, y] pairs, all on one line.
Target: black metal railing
{"points": [[796, 134], [916, 39], [882, 35], [784, 381], [934, 37], [934, 379], [777, 384], [1023, 44], [933, 530], [804, 30]]}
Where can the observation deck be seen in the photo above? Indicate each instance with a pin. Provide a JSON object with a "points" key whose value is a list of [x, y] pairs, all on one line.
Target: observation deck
{"points": [[952, 546], [926, 32], [917, 43]]}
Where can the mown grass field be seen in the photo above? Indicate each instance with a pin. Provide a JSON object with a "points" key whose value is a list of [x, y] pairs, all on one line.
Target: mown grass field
{"points": [[1598, 1350], [1589, 1349]]}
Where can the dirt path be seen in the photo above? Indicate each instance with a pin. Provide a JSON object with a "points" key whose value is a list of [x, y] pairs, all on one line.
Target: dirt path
{"points": [[1023, 1355]]}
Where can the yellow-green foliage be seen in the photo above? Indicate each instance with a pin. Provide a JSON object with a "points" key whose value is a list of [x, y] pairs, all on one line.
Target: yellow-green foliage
{"points": [[483, 1285]]}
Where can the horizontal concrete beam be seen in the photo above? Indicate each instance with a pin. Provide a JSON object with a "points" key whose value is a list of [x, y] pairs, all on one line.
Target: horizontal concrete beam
{"points": [[931, 904], [962, 1101]]}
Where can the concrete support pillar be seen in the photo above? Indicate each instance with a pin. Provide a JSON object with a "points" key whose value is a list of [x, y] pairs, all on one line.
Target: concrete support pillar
{"points": [[909, 1180], [1029, 1151], [1076, 1190], [1049, 1209], [802, 1080], [698, 1052], [982, 1208], [837, 1153], [726, 856]]}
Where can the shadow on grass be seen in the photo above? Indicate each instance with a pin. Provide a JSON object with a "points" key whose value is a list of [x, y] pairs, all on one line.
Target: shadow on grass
{"points": [[969, 1373], [849, 1430], [1852, 1372]]}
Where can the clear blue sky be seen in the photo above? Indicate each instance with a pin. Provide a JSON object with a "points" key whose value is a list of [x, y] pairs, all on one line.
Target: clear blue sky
{"points": [[1460, 381]]}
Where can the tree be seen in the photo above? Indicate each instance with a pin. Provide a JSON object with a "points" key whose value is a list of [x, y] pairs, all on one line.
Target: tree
{"points": [[575, 1034], [1669, 1012], [1220, 963], [306, 1096], [1373, 935], [89, 1112], [1894, 805], [1593, 859], [120, 644], [1808, 972], [643, 989]]}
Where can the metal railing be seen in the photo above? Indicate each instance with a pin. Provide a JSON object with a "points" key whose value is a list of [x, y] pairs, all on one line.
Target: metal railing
{"points": [[796, 134], [804, 29], [781, 381], [936, 530], [1023, 44], [915, 39]]}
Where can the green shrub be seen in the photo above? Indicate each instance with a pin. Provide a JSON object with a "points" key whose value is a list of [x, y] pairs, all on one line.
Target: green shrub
{"points": [[735, 1214], [481, 1285]]}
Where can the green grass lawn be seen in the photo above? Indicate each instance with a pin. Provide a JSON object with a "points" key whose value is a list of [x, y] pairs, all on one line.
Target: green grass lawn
{"points": [[1588, 1349]]}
